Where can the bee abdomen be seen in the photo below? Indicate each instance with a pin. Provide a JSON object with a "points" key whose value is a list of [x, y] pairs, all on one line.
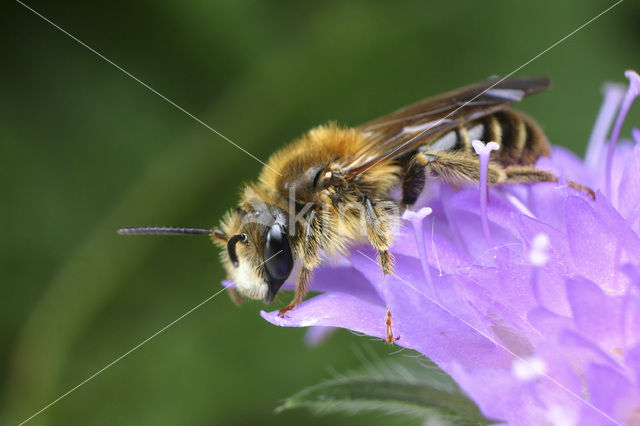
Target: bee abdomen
{"points": [[521, 140]]}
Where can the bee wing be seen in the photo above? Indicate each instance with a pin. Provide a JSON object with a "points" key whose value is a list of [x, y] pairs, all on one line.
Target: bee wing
{"points": [[404, 130]]}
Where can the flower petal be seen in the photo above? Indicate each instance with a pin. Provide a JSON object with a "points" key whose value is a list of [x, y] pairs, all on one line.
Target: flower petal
{"points": [[633, 360], [629, 189], [549, 291], [334, 310], [596, 315], [612, 394], [593, 246], [340, 279], [317, 335]]}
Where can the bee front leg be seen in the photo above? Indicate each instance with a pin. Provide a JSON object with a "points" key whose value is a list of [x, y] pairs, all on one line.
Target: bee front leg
{"points": [[309, 260], [235, 297], [302, 288], [381, 218]]}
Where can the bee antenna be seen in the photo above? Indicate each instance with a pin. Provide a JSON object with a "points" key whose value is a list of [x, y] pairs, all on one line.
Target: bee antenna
{"points": [[231, 247], [162, 230]]}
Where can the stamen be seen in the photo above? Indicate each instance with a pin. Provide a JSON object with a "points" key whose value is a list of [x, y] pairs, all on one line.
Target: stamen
{"points": [[484, 151], [445, 197], [613, 94], [626, 303], [617, 259], [433, 246], [417, 221], [519, 205], [539, 256], [561, 414], [632, 92], [528, 369]]}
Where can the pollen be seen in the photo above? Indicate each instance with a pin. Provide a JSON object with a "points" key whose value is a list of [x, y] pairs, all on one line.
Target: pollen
{"points": [[618, 352]]}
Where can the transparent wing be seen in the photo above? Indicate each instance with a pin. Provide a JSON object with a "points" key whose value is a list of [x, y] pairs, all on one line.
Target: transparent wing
{"points": [[423, 122]]}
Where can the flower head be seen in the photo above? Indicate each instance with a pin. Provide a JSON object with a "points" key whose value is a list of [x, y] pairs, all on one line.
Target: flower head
{"points": [[540, 323]]}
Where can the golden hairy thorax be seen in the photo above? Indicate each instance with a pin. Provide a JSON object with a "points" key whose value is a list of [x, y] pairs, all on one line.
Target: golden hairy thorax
{"points": [[304, 164]]}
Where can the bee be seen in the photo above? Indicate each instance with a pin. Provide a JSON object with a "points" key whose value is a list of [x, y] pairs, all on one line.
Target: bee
{"points": [[331, 187]]}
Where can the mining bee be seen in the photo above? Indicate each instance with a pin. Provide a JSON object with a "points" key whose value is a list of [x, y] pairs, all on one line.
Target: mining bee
{"points": [[331, 187]]}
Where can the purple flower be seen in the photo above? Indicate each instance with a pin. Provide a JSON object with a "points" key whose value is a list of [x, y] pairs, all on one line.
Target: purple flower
{"points": [[530, 300]]}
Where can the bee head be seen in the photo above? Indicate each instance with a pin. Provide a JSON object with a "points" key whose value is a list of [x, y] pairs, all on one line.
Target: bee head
{"points": [[256, 252]]}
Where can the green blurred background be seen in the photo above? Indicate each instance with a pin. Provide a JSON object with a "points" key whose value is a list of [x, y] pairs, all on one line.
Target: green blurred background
{"points": [[85, 150]]}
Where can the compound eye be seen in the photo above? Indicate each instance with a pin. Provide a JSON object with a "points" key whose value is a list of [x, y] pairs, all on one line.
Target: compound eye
{"points": [[277, 255]]}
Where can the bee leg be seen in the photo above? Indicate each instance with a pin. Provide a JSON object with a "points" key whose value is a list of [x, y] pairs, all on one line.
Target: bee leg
{"points": [[379, 224], [235, 296], [413, 183], [523, 174], [310, 260], [456, 168], [302, 287]]}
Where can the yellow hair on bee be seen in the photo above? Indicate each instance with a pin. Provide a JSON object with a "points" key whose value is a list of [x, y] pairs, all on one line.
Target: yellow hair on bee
{"points": [[321, 144]]}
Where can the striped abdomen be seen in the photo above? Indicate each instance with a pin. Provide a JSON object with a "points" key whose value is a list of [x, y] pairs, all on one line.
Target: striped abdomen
{"points": [[521, 140]]}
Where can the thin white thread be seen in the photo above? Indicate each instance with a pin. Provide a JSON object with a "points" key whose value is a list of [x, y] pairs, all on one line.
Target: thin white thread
{"points": [[147, 86], [133, 349], [121, 357]]}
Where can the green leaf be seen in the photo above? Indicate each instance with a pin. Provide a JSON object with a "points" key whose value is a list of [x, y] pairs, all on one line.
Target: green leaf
{"points": [[411, 388]]}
